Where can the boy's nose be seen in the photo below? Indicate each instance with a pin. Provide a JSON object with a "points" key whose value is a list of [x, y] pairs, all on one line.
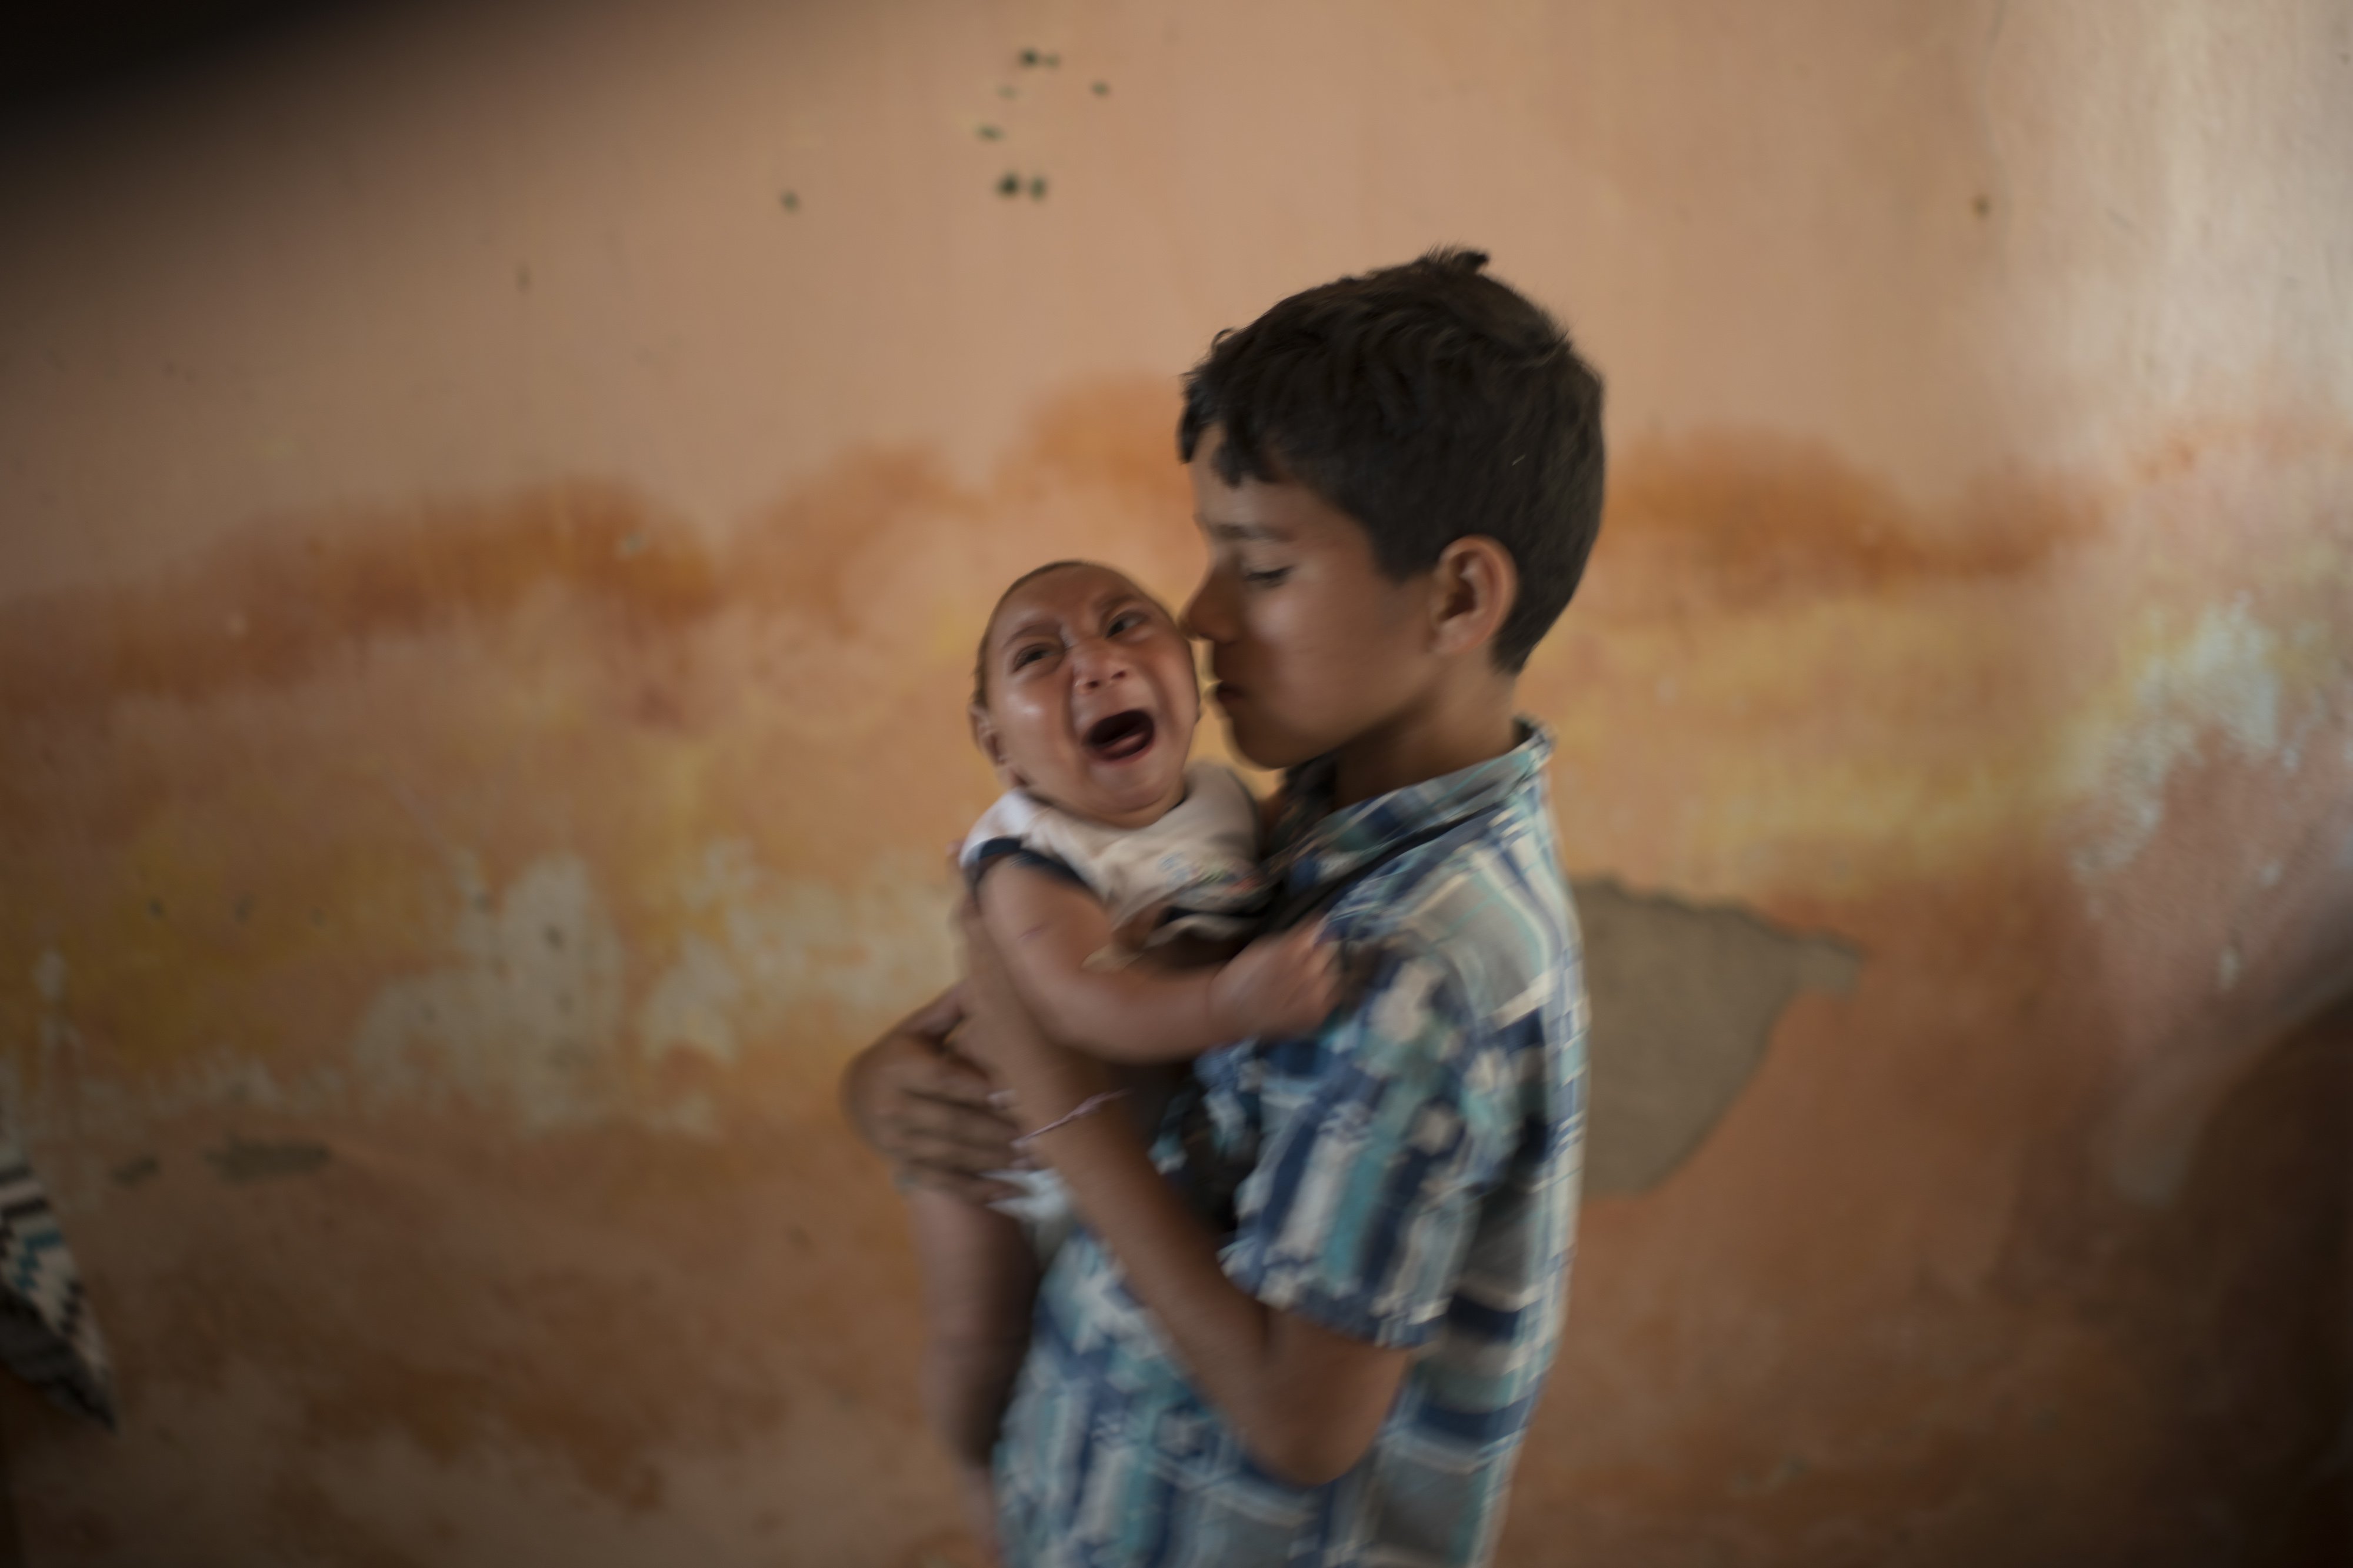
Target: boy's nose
{"points": [[1203, 616]]}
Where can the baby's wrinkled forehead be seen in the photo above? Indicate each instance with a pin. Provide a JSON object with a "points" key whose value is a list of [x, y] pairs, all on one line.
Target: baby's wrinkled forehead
{"points": [[1051, 591], [1031, 597]]}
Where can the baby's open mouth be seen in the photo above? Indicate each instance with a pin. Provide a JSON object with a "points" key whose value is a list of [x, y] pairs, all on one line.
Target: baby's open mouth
{"points": [[1121, 736]]}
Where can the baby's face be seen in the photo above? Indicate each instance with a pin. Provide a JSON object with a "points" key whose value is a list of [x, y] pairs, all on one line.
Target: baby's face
{"points": [[1090, 697]]}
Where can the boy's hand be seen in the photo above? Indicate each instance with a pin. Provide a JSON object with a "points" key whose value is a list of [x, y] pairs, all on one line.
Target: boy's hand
{"points": [[1279, 986], [927, 1110]]}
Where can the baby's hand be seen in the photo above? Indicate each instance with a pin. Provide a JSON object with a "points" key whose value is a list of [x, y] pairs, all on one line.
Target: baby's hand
{"points": [[1278, 985]]}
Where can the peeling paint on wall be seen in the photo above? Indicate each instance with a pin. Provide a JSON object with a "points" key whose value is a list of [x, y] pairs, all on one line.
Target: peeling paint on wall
{"points": [[2221, 684], [526, 1019]]}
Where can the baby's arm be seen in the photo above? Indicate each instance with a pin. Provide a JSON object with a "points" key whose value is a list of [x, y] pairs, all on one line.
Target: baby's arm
{"points": [[1047, 928]]}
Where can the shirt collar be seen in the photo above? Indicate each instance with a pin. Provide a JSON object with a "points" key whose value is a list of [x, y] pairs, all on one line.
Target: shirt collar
{"points": [[1316, 848]]}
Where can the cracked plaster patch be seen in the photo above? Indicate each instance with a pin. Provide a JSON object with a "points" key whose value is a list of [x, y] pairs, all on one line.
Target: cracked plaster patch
{"points": [[1685, 997]]}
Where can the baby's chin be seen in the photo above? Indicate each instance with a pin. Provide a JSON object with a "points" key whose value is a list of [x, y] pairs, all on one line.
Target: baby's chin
{"points": [[1135, 801]]}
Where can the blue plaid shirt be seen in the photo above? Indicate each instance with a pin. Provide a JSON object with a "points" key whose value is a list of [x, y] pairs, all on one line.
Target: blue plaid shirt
{"points": [[1408, 1176]]}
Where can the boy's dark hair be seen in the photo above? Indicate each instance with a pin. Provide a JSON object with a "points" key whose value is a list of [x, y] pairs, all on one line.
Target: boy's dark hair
{"points": [[1428, 401]]}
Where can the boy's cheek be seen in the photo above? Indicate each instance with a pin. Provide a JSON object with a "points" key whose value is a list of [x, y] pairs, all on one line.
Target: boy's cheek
{"points": [[1263, 738]]}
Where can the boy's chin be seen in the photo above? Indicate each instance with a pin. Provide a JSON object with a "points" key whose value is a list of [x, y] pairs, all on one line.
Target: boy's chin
{"points": [[1263, 745]]}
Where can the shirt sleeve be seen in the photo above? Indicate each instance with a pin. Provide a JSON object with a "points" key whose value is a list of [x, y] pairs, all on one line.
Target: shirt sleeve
{"points": [[978, 861], [1368, 1187]]}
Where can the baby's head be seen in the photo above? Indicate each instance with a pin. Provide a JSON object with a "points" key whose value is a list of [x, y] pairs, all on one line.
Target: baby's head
{"points": [[1085, 695]]}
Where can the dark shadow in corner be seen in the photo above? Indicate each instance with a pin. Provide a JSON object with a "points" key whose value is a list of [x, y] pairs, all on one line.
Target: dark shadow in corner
{"points": [[66, 50]]}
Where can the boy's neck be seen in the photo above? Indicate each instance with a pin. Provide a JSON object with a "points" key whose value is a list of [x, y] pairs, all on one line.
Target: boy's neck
{"points": [[1442, 732]]}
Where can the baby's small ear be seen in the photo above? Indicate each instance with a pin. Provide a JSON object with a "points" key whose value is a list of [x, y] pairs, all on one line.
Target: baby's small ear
{"points": [[984, 735], [991, 744]]}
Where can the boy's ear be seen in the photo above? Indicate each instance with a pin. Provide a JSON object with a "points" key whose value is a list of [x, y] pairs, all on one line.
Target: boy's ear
{"points": [[1472, 592]]}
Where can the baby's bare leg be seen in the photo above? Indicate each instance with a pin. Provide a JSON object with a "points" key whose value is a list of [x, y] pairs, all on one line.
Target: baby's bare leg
{"points": [[980, 1281]]}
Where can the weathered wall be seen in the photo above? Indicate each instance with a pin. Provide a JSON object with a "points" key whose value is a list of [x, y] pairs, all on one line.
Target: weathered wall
{"points": [[487, 587]]}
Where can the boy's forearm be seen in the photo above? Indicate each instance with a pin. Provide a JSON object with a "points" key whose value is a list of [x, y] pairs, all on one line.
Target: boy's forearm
{"points": [[1170, 1259], [1305, 1402]]}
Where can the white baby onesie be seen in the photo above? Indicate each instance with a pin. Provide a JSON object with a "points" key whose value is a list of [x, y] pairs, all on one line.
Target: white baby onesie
{"points": [[1199, 861]]}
